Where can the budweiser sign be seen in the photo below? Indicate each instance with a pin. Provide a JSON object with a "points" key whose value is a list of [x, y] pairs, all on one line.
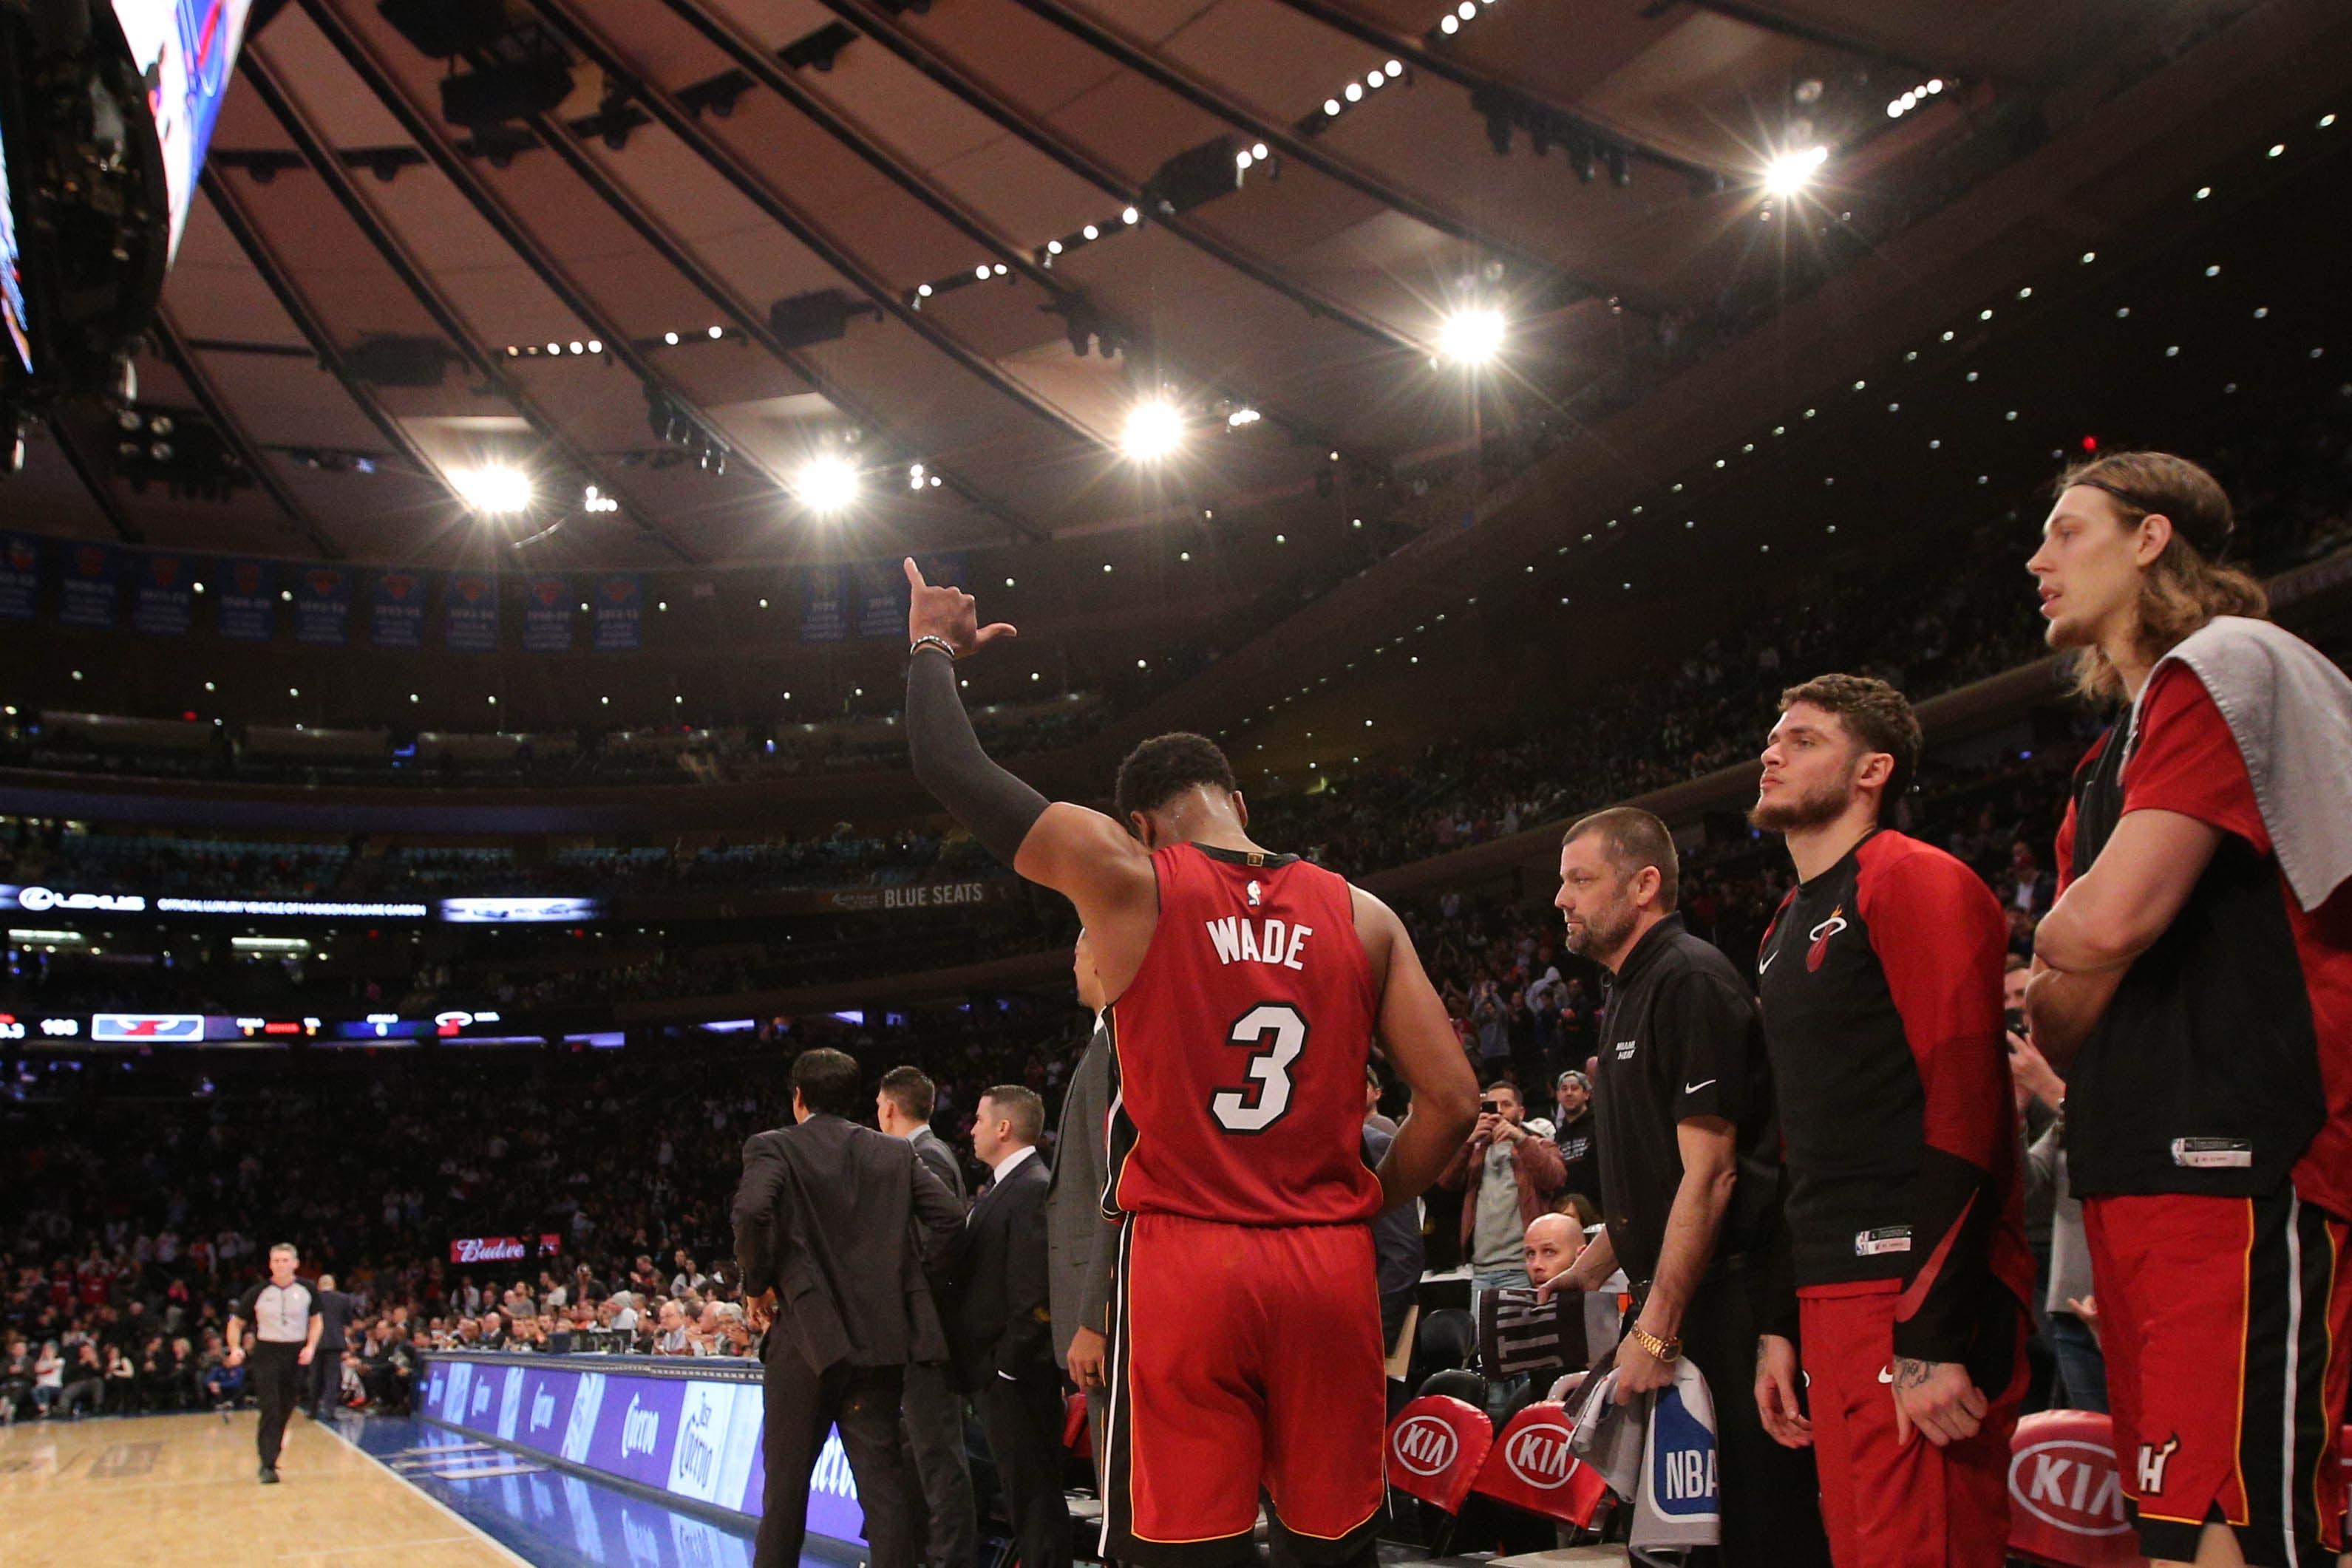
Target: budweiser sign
{"points": [[502, 1248]]}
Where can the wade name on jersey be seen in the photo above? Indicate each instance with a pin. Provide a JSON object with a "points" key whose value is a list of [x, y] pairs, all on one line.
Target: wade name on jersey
{"points": [[1240, 941]]}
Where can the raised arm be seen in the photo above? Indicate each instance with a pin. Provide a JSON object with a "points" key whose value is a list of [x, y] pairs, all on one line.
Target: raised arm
{"points": [[1081, 854], [1419, 1038]]}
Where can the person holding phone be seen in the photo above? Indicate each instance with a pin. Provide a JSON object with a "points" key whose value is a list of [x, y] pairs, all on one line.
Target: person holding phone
{"points": [[1508, 1176]]}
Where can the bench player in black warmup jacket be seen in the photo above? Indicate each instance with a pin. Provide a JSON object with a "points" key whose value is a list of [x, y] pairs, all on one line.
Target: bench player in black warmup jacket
{"points": [[1880, 980], [2200, 960]]}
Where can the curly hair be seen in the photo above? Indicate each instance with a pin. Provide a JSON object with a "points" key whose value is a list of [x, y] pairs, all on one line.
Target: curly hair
{"points": [[1164, 767]]}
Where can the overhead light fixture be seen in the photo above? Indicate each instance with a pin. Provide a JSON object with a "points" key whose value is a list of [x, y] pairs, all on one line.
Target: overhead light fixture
{"points": [[1130, 215], [1153, 430], [1241, 416], [825, 484], [493, 489], [1791, 172], [1471, 337]]}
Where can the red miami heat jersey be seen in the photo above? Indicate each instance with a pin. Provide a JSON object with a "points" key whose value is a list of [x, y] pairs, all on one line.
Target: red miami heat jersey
{"points": [[1239, 1050]]}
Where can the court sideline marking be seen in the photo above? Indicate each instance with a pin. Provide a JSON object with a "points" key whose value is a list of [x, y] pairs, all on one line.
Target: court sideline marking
{"points": [[335, 1430]]}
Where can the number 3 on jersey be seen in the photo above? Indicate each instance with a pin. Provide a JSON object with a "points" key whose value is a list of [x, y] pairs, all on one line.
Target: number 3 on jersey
{"points": [[1276, 1033]]}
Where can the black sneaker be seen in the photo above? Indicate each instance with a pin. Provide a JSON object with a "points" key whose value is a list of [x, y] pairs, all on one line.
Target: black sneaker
{"points": [[269, 1475]]}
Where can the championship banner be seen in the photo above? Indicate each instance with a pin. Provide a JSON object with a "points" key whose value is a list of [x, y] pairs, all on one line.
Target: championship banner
{"points": [[396, 618], [547, 615], [86, 586], [322, 606], [20, 577], [618, 625], [881, 599], [824, 605], [246, 607], [163, 603], [470, 613]]}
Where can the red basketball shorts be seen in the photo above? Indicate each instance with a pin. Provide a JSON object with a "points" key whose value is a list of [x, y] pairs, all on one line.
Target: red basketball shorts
{"points": [[1887, 1503], [1242, 1357], [2224, 1320]]}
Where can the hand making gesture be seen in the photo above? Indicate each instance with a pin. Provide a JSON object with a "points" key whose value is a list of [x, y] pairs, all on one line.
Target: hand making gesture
{"points": [[950, 615]]}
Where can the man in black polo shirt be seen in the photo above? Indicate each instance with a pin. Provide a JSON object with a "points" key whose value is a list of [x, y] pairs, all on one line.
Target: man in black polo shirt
{"points": [[1690, 1173], [286, 1328]]}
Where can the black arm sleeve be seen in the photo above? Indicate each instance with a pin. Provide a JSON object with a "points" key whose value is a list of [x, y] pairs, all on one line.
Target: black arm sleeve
{"points": [[998, 809]]}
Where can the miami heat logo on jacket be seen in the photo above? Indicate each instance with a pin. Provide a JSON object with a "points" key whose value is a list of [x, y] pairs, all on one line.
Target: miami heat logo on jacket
{"points": [[1820, 936]]}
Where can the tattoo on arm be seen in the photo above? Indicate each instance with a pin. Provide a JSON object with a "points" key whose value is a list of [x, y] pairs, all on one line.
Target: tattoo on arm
{"points": [[1912, 1373]]}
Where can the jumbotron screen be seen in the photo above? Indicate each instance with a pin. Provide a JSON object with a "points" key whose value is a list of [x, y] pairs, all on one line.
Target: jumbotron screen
{"points": [[183, 50], [12, 270]]}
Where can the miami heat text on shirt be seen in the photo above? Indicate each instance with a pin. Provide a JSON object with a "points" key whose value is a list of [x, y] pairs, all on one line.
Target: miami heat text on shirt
{"points": [[1240, 941]]}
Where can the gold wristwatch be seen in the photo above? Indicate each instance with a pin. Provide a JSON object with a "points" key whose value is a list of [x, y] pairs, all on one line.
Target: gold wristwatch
{"points": [[1665, 1349]]}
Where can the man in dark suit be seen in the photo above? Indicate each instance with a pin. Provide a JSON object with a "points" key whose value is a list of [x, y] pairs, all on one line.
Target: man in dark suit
{"points": [[326, 1368], [932, 1412], [1004, 1327], [835, 1226], [1081, 1246]]}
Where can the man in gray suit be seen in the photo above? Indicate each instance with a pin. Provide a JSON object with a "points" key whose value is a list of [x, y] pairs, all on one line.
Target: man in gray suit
{"points": [[1081, 1246], [933, 1409], [837, 1231]]}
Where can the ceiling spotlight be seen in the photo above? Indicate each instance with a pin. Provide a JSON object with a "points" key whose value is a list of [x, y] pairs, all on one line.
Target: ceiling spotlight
{"points": [[1395, 70], [1376, 79], [1052, 248], [825, 484], [1446, 24], [671, 339], [1091, 231], [979, 272], [595, 346], [1355, 92], [1257, 151], [575, 345], [915, 477], [1130, 215], [1471, 337], [555, 348], [1153, 430], [1331, 107], [1791, 172], [718, 332], [493, 489], [1241, 416], [923, 290]]}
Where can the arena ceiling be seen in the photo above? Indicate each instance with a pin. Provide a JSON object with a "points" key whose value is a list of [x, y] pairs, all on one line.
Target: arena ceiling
{"points": [[686, 247]]}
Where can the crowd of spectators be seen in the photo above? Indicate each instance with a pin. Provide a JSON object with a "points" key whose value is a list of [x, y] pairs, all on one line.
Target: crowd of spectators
{"points": [[138, 1199]]}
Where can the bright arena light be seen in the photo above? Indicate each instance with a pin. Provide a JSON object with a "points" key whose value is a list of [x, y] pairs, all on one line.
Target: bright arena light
{"points": [[1791, 172], [1153, 431], [1471, 337], [825, 484], [493, 488]]}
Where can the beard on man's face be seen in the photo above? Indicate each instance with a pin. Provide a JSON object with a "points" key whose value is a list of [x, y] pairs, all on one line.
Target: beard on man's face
{"points": [[1604, 930], [1815, 808]]}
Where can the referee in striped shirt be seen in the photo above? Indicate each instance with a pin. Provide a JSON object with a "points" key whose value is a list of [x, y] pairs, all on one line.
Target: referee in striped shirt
{"points": [[285, 1328]]}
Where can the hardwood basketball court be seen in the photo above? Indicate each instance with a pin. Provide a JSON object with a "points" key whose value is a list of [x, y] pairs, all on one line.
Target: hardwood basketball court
{"points": [[182, 1489]]}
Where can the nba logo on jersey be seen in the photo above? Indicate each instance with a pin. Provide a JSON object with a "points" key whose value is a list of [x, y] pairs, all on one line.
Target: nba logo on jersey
{"points": [[1255, 897]]}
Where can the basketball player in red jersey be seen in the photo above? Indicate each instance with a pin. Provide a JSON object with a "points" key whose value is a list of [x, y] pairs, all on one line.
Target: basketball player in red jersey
{"points": [[1245, 1351], [2194, 982]]}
